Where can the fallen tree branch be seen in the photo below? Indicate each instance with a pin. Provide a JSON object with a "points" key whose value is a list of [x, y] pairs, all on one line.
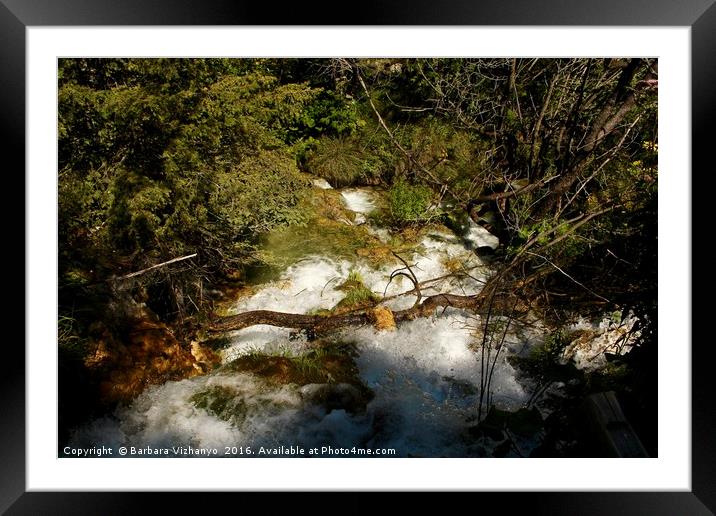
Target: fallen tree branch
{"points": [[332, 322]]}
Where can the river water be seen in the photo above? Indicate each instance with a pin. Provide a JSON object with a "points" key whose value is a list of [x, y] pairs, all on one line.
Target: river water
{"points": [[424, 376]]}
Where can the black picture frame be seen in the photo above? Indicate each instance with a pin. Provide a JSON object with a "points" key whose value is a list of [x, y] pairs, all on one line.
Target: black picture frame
{"points": [[17, 15]]}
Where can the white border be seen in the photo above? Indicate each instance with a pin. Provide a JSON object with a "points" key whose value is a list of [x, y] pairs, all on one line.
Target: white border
{"points": [[671, 471]]}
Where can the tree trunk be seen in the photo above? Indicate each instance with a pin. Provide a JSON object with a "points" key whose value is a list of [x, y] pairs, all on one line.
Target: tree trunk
{"points": [[619, 105], [502, 304]]}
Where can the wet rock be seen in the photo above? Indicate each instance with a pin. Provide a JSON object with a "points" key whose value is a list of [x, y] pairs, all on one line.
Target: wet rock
{"points": [[341, 396], [376, 254], [486, 253], [461, 388], [474, 235], [205, 358], [148, 354]]}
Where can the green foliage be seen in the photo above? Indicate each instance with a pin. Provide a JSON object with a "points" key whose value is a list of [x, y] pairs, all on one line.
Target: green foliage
{"points": [[338, 160], [68, 336], [164, 157], [409, 203], [83, 203], [138, 210], [344, 161], [552, 348], [310, 365], [358, 297], [354, 276], [329, 114], [261, 193], [357, 294]]}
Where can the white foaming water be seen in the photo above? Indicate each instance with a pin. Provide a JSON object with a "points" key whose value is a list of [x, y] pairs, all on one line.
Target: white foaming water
{"points": [[307, 285], [424, 375], [322, 184], [424, 378], [312, 284], [434, 354], [477, 236], [219, 411], [588, 351], [359, 200]]}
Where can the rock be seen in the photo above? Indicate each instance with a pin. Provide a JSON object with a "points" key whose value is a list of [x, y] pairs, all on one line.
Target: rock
{"points": [[486, 253], [340, 396], [148, 353], [205, 358], [322, 184], [382, 318], [590, 343]]}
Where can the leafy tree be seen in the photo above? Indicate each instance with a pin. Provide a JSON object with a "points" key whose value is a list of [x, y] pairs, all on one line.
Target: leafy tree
{"points": [[160, 158]]}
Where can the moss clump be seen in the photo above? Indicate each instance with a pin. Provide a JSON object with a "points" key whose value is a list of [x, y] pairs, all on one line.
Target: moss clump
{"points": [[328, 231], [376, 255], [354, 279], [236, 405], [334, 364], [357, 294], [214, 400], [358, 297], [454, 263]]}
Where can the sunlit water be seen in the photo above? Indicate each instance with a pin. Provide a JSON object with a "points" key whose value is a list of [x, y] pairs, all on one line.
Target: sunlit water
{"points": [[425, 375]]}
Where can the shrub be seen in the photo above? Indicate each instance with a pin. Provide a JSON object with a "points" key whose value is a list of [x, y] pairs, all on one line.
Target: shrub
{"points": [[328, 114], [339, 161], [409, 203]]}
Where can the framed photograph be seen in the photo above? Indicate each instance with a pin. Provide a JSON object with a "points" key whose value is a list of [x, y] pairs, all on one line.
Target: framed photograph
{"points": [[429, 250]]}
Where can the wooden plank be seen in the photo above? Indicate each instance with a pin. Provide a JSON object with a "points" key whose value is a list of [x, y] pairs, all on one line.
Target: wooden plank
{"points": [[611, 428]]}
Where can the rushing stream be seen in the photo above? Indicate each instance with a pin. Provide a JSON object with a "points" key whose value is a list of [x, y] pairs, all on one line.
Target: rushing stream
{"points": [[424, 375]]}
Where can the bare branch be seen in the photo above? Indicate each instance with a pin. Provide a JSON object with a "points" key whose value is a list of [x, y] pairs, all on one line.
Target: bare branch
{"points": [[133, 274]]}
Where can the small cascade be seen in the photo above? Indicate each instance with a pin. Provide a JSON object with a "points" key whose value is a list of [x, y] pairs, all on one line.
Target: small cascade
{"points": [[414, 389]]}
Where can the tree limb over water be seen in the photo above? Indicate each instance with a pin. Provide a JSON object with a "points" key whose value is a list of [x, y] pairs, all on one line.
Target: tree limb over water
{"points": [[502, 303]]}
